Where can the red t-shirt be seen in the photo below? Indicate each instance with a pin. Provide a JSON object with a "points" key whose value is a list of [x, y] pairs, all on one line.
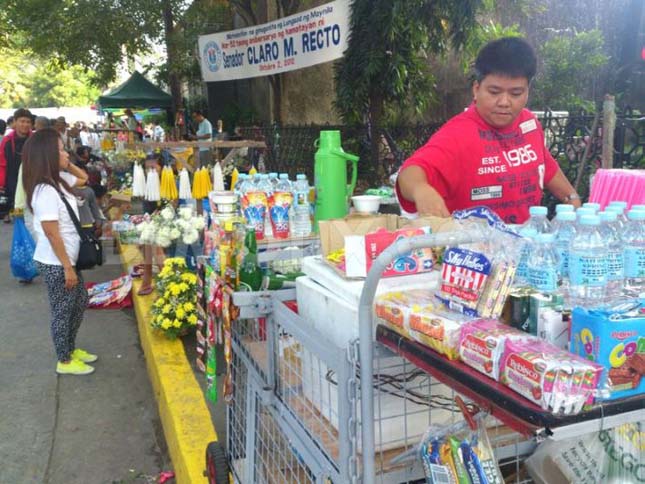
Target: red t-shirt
{"points": [[471, 163]]}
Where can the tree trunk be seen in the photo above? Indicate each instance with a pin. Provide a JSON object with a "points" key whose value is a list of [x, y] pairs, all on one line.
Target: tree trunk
{"points": [[174, 81], [276, 88]]}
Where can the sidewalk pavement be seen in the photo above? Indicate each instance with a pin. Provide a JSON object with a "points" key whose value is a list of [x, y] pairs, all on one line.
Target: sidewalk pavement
{"points": [[100, 428]]}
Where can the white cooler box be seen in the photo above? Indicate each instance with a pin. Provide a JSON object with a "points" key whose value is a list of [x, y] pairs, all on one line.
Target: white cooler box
{"points": [[335, 315]]}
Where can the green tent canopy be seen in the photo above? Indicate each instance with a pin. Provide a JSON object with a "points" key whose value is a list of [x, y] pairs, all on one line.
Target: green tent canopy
{"points": [[136, 92]]}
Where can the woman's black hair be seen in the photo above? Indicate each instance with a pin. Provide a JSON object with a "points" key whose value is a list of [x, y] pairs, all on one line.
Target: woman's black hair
{"points": [[3, 126], [508, 57]]}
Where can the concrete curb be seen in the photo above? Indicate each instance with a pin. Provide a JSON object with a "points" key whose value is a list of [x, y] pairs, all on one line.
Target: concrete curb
{"points": [[185, 417]]}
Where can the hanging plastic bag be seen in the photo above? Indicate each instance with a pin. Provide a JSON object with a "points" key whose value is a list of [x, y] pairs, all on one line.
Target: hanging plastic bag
{"points": [[22, 252], [614, 456]]}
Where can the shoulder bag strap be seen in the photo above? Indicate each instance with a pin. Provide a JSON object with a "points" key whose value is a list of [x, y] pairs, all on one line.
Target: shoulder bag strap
{"points": [[73, 216]]}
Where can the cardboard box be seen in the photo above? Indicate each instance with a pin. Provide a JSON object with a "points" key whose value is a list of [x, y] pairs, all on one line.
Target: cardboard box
{"points": [[366, 236]]}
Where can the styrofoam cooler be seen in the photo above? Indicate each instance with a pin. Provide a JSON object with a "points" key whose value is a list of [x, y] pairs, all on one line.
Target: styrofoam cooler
{"points": [[334, 313]]}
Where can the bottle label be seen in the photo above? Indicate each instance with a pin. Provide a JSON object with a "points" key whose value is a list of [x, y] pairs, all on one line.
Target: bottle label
{"points": [[543, 278], [587, 270], [522, 269], [634, 262], [564, 261], [615, 265]]}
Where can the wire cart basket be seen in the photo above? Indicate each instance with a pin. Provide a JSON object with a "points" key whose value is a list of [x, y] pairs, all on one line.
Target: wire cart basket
{"points": [[300, 412]]}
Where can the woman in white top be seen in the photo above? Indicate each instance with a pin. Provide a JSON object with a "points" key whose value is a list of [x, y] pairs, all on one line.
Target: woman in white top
{"points": [[47, 176]]}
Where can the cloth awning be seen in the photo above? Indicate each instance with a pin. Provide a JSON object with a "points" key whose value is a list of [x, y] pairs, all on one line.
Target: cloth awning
{"points": [[136, 92]]}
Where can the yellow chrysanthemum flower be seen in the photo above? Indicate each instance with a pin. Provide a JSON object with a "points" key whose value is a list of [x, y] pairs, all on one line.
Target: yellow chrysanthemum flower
{"points": [[166, 323], [160, 302], [188, 307], [166, 309], [180, 313], [184, 287], [176, 323], [192, 319]]}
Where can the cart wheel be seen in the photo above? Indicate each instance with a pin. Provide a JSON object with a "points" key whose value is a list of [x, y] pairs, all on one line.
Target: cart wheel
{"points": [[216, 464]]}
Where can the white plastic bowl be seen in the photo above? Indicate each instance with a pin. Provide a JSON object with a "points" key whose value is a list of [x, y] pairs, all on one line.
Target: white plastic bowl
{"points": [[366, 203]]}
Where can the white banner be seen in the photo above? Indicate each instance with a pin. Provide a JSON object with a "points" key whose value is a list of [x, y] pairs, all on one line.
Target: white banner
{"points": [[301, 40]]}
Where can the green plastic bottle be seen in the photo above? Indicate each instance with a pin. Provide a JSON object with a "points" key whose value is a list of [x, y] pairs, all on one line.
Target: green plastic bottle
{"points": [[250, 272]]}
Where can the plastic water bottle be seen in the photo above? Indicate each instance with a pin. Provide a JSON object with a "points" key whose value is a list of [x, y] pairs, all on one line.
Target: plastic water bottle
{"points": [[521, 275], [621, 218], [273, 178], [538, 220], [301, 222], [265, 185], [543, 265], [565, 230], [283, 185], [241, 185], [612, 233], [564, 207], [581, 212], [638, 207], [588, 264], [634, 250], [594, 206]]}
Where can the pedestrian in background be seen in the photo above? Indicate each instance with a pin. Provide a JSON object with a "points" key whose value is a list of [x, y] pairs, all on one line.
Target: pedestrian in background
{"points": [[10, 155], [49, 179], [204, 133]]}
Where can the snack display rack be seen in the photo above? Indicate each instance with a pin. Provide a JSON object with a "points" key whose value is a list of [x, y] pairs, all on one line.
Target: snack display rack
{"points": [[298, 412]]}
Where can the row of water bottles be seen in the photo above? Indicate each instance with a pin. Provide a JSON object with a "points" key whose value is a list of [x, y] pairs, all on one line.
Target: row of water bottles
{"points": [[300, 211], [590, 257]]}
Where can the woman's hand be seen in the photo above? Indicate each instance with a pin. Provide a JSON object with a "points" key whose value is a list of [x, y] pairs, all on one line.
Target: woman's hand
{"points": [[71, 278]]}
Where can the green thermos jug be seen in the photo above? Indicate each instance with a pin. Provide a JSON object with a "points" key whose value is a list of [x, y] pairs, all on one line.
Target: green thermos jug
{"points": [[330, 177]]}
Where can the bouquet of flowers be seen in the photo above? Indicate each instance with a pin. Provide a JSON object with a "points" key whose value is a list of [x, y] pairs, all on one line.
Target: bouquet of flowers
{"points": [[168, 226], [174, 312]]}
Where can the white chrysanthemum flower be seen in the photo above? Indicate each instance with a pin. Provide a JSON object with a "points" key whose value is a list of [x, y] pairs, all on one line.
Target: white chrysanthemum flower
{"points": [[168, 213]]}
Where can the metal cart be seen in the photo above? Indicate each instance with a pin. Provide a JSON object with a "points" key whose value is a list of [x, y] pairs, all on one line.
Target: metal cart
{"points": [[299, 413]]}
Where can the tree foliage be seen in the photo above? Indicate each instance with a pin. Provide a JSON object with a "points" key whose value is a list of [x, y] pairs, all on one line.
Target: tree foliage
{"points": [[26, 80], [389, 44], [570, 65]]}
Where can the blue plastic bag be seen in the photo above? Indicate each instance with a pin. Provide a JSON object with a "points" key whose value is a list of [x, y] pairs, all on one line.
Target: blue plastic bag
{"points": [[22, 252]]}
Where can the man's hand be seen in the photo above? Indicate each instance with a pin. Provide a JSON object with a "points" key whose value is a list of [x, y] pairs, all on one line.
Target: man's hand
{"points": [[429, 202]]}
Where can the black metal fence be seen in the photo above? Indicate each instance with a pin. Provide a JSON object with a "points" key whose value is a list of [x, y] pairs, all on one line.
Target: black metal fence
{"points": [[291, 149]]}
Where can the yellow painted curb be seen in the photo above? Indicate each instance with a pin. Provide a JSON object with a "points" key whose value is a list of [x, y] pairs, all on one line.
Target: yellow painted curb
{"points": [[184, 414]]}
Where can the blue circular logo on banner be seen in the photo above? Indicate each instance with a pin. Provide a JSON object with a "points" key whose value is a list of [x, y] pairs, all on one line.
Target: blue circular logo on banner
{"points": [[213, 56]]}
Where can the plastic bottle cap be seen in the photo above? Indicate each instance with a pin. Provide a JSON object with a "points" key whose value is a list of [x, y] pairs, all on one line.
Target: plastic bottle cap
{"points": [[284, 176], [545, 238], [592, 205], [617, 209], [300, 176], [273, 175], [538, 210], [581, 212], [564, 207], [608, 216], [590, 220], [638, 207], [566, 217], [636, 215], [618, 203]]}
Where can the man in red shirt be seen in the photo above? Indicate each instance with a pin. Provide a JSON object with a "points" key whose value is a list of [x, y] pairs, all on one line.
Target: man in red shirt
{"points": [[492, 154]]}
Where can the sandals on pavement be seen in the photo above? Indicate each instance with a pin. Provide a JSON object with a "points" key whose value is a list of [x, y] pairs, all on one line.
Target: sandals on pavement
{"points": [[144, 291]]}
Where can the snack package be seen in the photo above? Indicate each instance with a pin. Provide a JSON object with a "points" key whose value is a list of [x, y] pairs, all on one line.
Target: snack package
{"points": [[614, 337], [104, 287], [436, 328], [456, 454], [613, 456], [482, 342], [279, 204], [554, 379], [394, 307], [254, 207]]}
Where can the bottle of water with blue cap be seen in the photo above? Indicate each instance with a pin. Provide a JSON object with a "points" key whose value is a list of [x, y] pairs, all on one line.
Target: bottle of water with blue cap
{"points": [[538, 220], [612, 233], [592, 205], [565, 230], [526, 248], [543, 265], [588, 264], [634, 251]]}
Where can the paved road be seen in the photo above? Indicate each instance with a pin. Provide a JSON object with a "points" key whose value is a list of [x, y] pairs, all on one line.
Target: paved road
{"points": [[101, 428]]}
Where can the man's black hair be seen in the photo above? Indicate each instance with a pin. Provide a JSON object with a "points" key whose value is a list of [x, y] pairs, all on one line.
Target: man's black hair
{"points": [[9, 120], [99, 190], [198, 112], [508, 57], [3, 126], [23, 113]]}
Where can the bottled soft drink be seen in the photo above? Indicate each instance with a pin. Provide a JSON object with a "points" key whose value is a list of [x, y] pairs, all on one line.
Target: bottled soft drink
{"points": [[634, 250], [565, 230], [612, 233], [543, 265], [273, 178], [592, 205], [264, 185], [521, 275], [588, 264], [564, 207], [302, 221], [538, 220]]}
